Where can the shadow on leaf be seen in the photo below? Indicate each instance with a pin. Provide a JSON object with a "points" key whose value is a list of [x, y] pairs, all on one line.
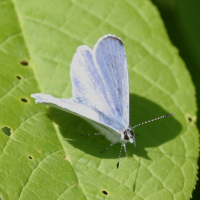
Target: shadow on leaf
{"points": [[151, 135]]}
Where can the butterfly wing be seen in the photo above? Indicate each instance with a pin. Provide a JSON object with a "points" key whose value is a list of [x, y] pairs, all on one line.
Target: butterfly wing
{"points": [[87, 84], [99, 84], [110, 57]]}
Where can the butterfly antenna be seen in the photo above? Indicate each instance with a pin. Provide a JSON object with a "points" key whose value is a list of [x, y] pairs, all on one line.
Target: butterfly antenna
{"points": [[120, 154], [152, 120]]}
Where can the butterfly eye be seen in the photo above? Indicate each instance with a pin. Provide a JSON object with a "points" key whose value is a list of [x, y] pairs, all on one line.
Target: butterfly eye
{"points": [[126, 136]]}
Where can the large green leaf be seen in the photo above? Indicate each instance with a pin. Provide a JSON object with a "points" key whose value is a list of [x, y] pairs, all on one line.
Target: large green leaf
{"points": [[183, 16], [43, 155]]}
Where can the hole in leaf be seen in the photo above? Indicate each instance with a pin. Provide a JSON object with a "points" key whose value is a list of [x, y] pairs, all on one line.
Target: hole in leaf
{"points": [[30, 157], [6, 130], [24, 100], [105, 192], [18, 77], [190, 119], [23, 62]]}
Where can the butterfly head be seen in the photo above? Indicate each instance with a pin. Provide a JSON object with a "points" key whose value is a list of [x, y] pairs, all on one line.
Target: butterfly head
{"points": [[129, 135]]}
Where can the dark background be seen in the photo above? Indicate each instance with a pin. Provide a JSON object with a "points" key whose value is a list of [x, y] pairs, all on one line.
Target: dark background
{"points": [[182, 21]]}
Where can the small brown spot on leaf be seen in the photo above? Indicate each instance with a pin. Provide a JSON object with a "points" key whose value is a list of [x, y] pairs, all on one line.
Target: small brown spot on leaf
{"points": [[65, 157]]}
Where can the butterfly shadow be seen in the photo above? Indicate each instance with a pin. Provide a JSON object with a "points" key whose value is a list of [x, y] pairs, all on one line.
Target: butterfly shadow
{"points": [[151, 135]]}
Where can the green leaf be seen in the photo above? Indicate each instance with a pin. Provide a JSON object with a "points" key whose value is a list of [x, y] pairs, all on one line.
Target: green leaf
{"points": [[183, 16], [43, 155]]}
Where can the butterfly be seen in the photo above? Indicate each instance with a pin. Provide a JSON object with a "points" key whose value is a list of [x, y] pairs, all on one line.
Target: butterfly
{"points": [[100, 90]]}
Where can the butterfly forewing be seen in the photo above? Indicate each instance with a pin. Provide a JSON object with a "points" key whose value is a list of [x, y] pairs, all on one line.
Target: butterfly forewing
{"points": [[111, 61]]}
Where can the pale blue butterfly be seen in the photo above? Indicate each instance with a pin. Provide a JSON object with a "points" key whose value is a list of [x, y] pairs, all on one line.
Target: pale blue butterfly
{"points": [[100, 87]]}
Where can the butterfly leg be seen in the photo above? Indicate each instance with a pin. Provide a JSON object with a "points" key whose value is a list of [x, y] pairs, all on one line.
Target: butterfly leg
{"points": [[91, 134], [124, 144], [107, 147]]}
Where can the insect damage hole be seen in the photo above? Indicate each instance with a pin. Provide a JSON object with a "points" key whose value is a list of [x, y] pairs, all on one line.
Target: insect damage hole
{"points": [[19, 77], [6, 130], [190, 119], [24, 100], [105, 192], [23, 62], [30, 157]]}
